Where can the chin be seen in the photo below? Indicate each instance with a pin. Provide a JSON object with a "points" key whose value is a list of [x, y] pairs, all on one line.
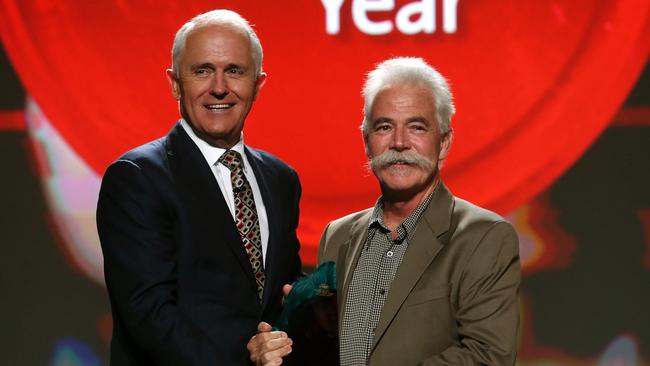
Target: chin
{"points": [[398, 185]]}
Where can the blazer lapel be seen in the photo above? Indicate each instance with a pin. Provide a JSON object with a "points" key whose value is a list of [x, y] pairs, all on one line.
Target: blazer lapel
{"points": [[264, 178], [203, 199], [421, 251], [348, 257]]}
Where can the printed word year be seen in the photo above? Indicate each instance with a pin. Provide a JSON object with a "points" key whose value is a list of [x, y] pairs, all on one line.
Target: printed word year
{"points": [[412, 18]]}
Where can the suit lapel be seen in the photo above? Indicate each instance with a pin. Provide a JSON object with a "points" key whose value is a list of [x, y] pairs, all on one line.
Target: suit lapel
{"points": [[203, 199], [348, 257], [265, 178], [423, 248]]}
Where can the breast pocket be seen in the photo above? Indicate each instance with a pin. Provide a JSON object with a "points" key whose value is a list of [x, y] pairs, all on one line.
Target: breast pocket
{"points": [[420, 296]]}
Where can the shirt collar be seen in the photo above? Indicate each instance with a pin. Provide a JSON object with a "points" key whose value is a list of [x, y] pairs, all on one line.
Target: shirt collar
{"points": [[213, 153], [407, 227]]}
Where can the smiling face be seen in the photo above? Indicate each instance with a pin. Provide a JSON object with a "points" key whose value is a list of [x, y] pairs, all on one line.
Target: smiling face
{"points": [[216, 83], [403, 122]]}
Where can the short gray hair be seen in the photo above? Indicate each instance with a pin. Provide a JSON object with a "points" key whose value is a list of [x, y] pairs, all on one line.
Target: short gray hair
{"points": [[409, 70], [217, 17]]}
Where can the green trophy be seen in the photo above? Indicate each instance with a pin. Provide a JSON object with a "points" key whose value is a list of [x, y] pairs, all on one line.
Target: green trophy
{"points": [[310, 318]]}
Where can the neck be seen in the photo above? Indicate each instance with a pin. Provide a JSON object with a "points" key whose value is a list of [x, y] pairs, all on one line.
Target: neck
{"points": [[224, 142], [399, 205]]}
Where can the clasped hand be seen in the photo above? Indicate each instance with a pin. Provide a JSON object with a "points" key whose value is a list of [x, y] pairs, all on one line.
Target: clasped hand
{"points": [[267, 347]]}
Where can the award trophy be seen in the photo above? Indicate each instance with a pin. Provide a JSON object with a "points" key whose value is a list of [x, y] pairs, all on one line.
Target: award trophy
{"points": [[310, 318]]}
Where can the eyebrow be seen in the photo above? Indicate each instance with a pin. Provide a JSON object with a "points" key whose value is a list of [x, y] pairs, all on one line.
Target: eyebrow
{"points": [[381, 120], [417, 119], [231, 65], [408, 120], [209, 65], [205, 65]]}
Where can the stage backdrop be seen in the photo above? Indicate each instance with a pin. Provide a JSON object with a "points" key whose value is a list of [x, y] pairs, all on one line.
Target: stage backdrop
{"points": [[535, 84]]}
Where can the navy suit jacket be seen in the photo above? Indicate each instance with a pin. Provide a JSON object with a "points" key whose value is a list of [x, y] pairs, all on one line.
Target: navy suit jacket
{"points": [[180, 283]]}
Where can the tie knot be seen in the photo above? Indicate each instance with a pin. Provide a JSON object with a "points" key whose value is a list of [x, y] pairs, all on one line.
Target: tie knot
{"points": [[231, 159]]}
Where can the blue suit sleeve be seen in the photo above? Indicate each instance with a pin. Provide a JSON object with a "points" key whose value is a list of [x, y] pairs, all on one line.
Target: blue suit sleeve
{"points": [[135, 225]]}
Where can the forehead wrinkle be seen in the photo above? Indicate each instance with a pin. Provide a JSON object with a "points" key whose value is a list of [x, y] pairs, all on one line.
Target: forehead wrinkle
{"points": [[409, 102], [215, 47], [418, 119], [200, 65]]}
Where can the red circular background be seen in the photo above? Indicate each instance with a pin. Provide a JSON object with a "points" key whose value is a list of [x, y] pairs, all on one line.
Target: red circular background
{"points": [[534, 82]]}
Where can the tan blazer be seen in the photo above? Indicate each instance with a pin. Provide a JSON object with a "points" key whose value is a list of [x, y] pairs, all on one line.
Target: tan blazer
{"points": [[454, 297]]}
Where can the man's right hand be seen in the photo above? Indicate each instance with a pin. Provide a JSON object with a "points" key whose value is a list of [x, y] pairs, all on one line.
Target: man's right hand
{"points": [[267, 347]]}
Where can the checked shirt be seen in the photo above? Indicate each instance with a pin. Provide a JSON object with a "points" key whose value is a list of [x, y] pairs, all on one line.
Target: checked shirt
{"points": [[371, 281]]}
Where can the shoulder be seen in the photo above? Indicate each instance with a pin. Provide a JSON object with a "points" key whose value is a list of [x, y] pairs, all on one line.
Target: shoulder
{"points": [[339, 232], [270, 160], [151, 153], [345, 223], [148, 160], [274, 168], [468, 216], [481, 227]]}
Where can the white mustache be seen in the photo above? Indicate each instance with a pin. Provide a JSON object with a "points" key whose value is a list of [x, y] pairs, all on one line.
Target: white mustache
{"points": [[391, 157]]}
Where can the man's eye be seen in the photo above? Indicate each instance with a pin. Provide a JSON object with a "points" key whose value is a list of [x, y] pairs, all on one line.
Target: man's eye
{"points": [[201, 72], [382, 128], [235, 71], [418, 127]]}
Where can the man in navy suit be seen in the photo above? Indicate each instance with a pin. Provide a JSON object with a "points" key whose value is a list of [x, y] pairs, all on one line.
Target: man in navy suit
{"points": [[198, 230]]}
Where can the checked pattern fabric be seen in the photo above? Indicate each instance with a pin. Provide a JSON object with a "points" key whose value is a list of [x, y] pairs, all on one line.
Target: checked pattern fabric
{"points": [[246, 216]]}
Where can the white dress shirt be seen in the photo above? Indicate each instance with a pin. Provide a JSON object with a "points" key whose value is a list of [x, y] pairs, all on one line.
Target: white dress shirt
{"points": [[222, 175]]}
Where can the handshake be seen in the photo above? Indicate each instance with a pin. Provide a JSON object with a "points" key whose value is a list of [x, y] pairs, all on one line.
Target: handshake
{"points": [[307, 331]]}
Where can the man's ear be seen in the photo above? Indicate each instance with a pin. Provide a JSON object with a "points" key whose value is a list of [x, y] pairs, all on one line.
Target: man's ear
{"points": [[173, 84], [445, 144], [259, 83]]}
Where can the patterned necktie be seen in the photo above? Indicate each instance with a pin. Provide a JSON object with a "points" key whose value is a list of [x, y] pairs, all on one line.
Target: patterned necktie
{"points": [[246, 215]]}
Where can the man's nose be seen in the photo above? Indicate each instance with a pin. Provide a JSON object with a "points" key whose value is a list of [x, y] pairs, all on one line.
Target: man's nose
{"points": [[219, 86], [400, 140]]}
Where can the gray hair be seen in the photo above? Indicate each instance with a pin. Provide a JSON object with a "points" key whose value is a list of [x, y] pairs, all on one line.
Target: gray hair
{"points": [[216, 17], [409, 70]]}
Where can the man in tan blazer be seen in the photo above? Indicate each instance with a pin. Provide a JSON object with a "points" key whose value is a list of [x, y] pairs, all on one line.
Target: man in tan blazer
{"points": [[424, 278]]}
